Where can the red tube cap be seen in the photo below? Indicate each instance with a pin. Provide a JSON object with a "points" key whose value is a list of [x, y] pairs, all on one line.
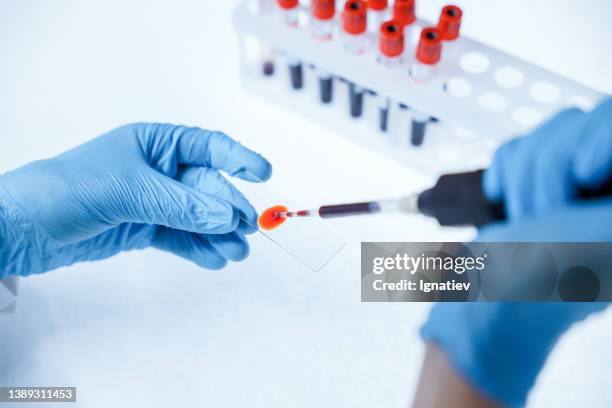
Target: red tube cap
{"points": [[377, 5], [354, 19], [391, 38], [287, 4], [403, 11], [450, 22], [323, 9], [429, 49]]}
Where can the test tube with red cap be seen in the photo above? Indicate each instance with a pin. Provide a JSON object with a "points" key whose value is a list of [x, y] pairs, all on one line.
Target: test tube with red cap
{"points": [[391, 48], [354, 25], [449, 24], [289, 12], [266, 52], [323, 12], [404, 14], [428, 54], [378, 12]]}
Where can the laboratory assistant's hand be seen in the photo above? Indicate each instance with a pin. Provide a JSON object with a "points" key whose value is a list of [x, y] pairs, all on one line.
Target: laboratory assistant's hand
{"points": [[500, 348], [546, 169], [137, 186]]}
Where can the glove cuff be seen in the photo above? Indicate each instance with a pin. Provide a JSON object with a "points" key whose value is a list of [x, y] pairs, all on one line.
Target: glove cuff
{"points": [[17, 243]]}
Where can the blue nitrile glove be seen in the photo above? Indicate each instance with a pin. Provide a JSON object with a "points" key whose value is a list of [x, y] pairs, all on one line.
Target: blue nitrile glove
{"points": [[137, 186], [501, 347], [545, 169]]}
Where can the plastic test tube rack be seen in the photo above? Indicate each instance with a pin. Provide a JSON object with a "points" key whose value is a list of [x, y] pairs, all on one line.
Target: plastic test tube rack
{"points": [[480, 96]]}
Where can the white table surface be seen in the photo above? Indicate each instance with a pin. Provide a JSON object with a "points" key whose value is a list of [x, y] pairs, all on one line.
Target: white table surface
{"points": [[149, 329]]}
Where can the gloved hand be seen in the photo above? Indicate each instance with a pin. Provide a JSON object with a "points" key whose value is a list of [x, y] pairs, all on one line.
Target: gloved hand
{"points": [[545, 170], [137, 186], [501, 347]]}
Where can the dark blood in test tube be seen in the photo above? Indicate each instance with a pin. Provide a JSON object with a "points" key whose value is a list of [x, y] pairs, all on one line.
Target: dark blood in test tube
{"points": [[326, 88], [297, 76], [355, 100], [268, 68], [383, 118], [417, 132], [340, 210]]}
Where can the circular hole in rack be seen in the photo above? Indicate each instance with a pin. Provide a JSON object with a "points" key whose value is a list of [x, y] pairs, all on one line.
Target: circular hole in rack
{"points": [[509, 77], [474, 62], [492, 102], [544, 92], [458, 87], [580, 102], [526, 116]]}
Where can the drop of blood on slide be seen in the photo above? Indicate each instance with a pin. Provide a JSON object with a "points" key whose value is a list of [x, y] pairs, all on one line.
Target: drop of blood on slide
{"points": [[269, 219]]}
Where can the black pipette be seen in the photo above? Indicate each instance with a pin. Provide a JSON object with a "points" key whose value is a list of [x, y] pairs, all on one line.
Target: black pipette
{"points": [[455, 200]]}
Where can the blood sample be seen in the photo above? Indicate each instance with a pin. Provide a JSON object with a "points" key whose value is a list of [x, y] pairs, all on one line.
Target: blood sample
{"points": [[428, 54], [355, 100], [354, 24], [383, 113], [403, 12], [266, 53], [296, 72], [323, 12], [417, 131], [289, 10], [267, 68], [326, 86], [391, 43], [377, 13], [449, 23], [391, 47], [270, 218]]}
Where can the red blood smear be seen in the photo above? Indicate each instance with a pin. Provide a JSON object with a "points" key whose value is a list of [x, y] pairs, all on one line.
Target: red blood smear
{"points": [[269, 219]]}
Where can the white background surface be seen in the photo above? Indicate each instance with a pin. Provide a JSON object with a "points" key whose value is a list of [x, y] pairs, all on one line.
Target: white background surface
{"points": [[149, 329]]}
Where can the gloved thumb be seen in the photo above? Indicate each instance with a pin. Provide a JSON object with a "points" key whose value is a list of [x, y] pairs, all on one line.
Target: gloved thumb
{"points": [[164, 201]]}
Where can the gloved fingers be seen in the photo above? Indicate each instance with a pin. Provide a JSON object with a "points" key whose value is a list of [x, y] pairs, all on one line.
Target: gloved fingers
{"points": [[530, 174], [191, 246], [189, 146], [505, 181], [157, 199], [551, 153], [212, 182], [232, 246], [592, 165]]}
